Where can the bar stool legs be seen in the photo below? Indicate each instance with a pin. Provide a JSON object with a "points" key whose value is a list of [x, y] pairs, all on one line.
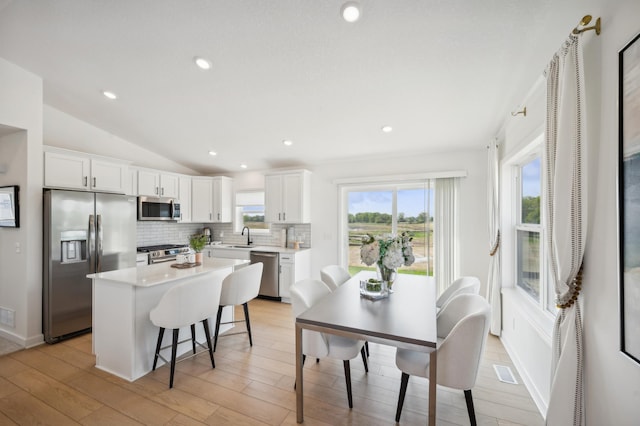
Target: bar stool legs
{"points": [[174, 347], [246, 319]]}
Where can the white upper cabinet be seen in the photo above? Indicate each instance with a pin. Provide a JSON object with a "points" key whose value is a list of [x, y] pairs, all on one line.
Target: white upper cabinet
{"points": [[82, 172], [288, 197], [222, 199], [211, 199], [201, 199], [156, 184], [185, 198]]}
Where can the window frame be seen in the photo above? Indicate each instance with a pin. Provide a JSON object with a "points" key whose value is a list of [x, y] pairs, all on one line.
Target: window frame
{"points": [[393, 187], [544, 303], [237, 227]]}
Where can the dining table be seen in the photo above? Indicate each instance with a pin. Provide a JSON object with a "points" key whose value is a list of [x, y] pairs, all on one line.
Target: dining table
{"points": [[405, 319]]}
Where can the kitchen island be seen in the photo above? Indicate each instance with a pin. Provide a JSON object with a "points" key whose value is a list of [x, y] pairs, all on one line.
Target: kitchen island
{"points": [[124, 338]]}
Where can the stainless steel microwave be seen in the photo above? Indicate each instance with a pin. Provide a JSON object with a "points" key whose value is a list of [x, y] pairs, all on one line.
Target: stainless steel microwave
{"points": [[158, 208]]}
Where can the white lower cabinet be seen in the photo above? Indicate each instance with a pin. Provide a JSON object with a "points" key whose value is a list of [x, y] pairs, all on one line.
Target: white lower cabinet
{"points": [[294, 267]]}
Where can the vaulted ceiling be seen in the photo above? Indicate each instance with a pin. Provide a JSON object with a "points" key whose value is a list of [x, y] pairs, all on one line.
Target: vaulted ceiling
{"points": [[444, 74]]}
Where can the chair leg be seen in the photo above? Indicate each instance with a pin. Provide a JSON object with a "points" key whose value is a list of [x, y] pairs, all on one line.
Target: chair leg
{"points": [[472, 413], [207, 333], [366, 346], [193, 337], [364, 359], [218, 318], [158, 346], [245, 305], [174, 350], [404, 381], [347, 378]]}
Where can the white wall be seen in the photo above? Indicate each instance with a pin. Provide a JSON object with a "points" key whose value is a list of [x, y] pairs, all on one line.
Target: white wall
{"points": [[21, 273], [612, 381], [65, 131]]}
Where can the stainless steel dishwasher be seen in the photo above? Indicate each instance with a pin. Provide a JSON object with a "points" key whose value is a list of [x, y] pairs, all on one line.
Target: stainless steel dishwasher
{"points": [[269, 286]]}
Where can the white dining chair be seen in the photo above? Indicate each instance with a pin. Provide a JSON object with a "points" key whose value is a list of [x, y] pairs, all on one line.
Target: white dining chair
{"points": [[334, 276], [183, 305], [463, 326], [463, 285], [238, 288], [304, 295]]}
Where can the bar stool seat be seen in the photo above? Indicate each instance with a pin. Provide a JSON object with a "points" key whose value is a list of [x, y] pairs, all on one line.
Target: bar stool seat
{"points": [[238, 288], [184, 305]]}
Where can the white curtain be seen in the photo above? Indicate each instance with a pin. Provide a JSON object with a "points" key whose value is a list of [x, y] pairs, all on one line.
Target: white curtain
{"points": [[566, 225], [446, 232], [494, 283]]}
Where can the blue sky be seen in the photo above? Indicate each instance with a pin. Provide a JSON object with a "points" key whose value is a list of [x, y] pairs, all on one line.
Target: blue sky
{"points": [[531, 179], [411, 202]]}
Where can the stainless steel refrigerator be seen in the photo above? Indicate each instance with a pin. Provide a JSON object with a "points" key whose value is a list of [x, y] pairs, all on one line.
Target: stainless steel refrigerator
{"points": [[84, 232]]}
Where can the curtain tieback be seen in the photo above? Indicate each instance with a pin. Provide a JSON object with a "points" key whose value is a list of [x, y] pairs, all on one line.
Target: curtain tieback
{"points": [[572, 295], [495, 247]]}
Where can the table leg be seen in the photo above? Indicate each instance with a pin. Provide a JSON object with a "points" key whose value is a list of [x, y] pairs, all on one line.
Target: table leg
{"points": [[299, 398], [433, 358]]}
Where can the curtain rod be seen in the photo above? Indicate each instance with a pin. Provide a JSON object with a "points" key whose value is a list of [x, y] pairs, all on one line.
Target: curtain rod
{"points": [[585, 21]]}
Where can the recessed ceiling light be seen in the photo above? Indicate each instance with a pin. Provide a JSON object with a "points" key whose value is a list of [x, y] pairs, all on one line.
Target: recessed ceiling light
{"points": [[109, 95], [287, 142], [202, 63], [213, 153], [387, 129], [243, 166], [351, 11]]}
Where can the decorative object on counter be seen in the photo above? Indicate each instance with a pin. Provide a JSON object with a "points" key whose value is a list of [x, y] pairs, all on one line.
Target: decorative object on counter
{"points": [[388, 252], [374, 289], [197, 242], [186, 265]]}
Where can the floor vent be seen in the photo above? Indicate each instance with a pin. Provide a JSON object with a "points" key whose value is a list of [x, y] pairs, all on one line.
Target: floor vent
{"points": [[504, 374]]}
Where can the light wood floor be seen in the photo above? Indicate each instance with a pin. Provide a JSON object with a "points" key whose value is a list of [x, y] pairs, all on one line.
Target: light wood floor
{"points": [[59, 385]]}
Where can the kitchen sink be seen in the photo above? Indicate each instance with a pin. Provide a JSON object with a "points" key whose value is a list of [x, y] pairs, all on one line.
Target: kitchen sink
{"points": [[242, 246]]}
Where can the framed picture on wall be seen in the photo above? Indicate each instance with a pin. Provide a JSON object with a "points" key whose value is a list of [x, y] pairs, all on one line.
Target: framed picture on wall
{"points": [[629, 197]]}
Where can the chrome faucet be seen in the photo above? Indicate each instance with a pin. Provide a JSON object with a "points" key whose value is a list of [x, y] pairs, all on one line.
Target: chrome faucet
{"points": [[248, 235]]}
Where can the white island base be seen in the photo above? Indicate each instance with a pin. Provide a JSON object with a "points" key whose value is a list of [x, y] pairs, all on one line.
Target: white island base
{"points": [[124, 339]]}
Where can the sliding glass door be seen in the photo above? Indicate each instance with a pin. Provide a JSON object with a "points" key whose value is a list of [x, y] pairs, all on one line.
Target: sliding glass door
{"points": [[390, 209]]}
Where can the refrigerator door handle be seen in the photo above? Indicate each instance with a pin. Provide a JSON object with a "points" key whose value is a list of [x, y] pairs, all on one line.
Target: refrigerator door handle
{"points": [[99, 243], [92, 244]]}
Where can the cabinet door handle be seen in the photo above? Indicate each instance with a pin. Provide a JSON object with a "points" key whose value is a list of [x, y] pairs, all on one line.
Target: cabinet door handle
{"points": [[94, 182], [156, 190], [279, 216], [209, 216], [284, 216], [218, 217], [85, 181], [162, 191]]}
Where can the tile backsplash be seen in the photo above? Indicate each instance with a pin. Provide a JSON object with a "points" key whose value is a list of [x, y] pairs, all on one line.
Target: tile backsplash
{"points": [[151, 233]]}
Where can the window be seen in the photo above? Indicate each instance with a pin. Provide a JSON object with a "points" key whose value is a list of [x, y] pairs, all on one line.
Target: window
{"points": [[391, 209], [532, 275], [528, 228], [249, 211]]}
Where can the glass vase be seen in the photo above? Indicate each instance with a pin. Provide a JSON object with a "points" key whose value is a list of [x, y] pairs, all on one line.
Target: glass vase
{"points": [[385, 274]]}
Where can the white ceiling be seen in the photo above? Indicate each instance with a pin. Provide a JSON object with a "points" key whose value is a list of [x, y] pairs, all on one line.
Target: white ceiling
{"points": [[444, 73]]}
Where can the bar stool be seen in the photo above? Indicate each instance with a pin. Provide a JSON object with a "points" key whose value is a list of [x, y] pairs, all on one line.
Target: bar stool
{"points": [[238, 288], [184, 305]]}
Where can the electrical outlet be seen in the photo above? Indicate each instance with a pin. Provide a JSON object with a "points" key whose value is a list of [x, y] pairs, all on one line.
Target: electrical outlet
{"points": [[8, 317], [17, 247]]}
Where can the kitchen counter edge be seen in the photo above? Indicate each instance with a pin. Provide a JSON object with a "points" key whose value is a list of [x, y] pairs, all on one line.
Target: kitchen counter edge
{"points": [[161, 273]]}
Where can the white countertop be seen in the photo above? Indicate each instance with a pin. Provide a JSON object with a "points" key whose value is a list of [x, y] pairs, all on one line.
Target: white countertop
{"points": [[272, 249], [160, 273]]}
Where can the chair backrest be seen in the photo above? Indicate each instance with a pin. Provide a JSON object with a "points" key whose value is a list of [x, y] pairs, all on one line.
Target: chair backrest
{"points": [[304, 294], [188, 303], [334, 276], [463, 285], [464, 325], [241, 285]]}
